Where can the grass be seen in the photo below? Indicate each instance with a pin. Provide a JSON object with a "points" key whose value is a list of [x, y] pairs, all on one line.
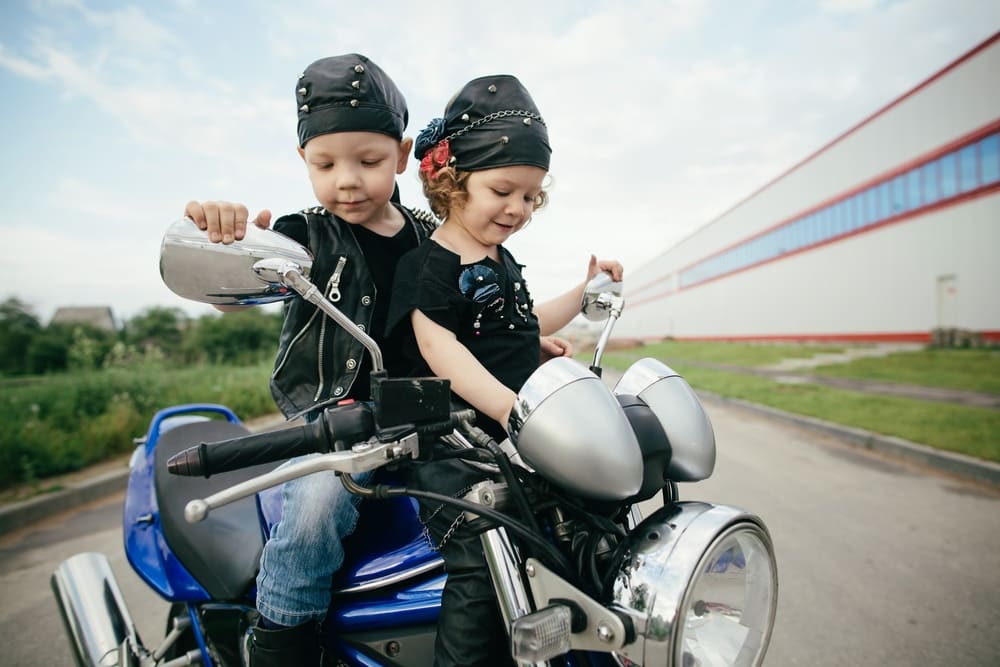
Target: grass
{"points": [[967, 430], [969, 370], [61, 423], [736, 354]]}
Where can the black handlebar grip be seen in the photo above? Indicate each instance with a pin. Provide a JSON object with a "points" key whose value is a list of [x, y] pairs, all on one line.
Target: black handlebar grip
{"points": [[212, 458], [351, 422]]}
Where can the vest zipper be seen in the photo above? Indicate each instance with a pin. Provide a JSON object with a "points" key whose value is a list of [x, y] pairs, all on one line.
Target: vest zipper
{"points": [[332, 293]]}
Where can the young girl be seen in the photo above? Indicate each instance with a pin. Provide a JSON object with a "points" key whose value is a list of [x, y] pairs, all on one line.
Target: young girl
{"points": [[463, 300]]}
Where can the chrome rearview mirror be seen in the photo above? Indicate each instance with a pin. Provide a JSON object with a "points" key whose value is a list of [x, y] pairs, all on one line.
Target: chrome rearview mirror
{"points": [[195, 268], [263, 267], [600, 297], [602, 300]]}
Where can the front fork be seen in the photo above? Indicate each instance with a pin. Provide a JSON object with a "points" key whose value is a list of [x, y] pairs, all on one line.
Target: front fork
{"points": [[504, 564], [506, 571]]}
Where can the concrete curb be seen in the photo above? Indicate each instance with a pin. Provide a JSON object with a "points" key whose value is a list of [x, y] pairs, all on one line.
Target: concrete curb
{"points": [[948, 462], [24, 513]]}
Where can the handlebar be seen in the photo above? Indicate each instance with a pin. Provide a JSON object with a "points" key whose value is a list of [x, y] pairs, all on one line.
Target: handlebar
{"points": [[337, 428], [347, 423]]}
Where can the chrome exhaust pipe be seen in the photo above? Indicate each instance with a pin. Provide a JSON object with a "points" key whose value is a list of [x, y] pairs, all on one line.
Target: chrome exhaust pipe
{"points": [[93, 610]]}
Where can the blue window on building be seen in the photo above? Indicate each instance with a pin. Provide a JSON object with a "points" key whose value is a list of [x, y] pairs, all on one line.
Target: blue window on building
{"points": [[962, 170], [968, 172], [913, 190], [769, 245], [989, 158], [860, 218], [781, 240], [884, 201], [841, 218], [872, 204], [897, 199], [932, 190], [949, 175]]}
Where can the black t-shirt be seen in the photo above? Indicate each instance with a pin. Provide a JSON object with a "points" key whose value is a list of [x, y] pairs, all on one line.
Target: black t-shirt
{"points": [[381, 255], [485, 304]]}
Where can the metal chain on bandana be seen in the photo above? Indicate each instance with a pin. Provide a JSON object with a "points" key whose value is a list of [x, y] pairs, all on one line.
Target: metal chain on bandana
{"points": [[493, 116]]}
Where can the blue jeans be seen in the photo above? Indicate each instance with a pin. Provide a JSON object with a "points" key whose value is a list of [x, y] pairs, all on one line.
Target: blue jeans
{"points": [[305, 550]]}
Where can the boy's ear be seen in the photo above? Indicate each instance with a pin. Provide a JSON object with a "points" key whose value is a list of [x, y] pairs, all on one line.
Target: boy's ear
{"points": [[302, 152], [405, 146]]}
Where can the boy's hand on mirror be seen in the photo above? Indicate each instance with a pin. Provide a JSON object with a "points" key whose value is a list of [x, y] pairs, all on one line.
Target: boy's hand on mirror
{"points": [[224, 221], [553, 347], [611, 267]]}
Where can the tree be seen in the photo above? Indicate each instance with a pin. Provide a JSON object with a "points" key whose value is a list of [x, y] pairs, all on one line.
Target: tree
{"points": [[18, 327], [49, 350], [242, 336], [61, 347], [157, 326]]}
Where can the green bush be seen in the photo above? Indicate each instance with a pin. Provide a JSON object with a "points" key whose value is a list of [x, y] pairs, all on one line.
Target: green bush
{"points": [[59, 423]]}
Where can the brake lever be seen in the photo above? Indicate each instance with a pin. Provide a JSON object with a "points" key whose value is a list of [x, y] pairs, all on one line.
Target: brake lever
{"points": [[362, 457]]}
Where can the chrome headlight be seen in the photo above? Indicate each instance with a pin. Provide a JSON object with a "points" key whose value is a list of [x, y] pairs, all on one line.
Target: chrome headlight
{"points": [[569, 427], [683, 419], [701, 586]]}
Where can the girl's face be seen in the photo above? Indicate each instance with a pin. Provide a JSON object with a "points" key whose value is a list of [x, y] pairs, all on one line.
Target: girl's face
{"points": [[499, 202], [353, 173]]}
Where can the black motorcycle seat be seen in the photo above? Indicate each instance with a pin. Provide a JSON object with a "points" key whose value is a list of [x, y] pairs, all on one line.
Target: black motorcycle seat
{"points": [[222, 552]]}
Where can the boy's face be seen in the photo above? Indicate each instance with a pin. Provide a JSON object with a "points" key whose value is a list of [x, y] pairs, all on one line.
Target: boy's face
{"points": [[499, 202], [353, 173]]}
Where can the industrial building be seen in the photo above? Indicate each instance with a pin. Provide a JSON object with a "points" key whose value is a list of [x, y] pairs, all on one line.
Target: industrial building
{"points": [[890, 232]]}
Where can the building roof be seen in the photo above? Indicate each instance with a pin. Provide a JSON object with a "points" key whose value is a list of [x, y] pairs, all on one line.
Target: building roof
{"points": [[100, 317]]}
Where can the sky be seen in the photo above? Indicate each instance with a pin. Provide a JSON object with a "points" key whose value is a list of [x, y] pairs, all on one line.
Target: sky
{"points": [[661, 114]]}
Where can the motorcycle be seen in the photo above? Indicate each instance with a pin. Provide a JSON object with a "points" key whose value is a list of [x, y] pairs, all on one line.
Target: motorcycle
{"points": [[580, 577]]}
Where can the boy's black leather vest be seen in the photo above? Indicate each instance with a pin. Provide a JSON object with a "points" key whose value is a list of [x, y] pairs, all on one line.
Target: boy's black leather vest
{"points": [[317, 361]]}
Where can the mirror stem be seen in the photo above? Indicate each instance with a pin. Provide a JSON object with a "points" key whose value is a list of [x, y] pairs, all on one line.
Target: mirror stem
{"points": [[292, 277], [615, 310]]}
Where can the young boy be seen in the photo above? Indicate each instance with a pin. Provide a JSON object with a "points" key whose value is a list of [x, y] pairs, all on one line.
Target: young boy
{"points": [[350, 134]]}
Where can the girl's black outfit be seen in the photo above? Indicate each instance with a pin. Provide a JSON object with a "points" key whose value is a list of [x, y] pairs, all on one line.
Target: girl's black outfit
{"points": [[489, 309]]}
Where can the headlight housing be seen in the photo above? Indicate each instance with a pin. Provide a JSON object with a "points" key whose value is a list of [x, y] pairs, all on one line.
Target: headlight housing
{"points": [[701, 586]]}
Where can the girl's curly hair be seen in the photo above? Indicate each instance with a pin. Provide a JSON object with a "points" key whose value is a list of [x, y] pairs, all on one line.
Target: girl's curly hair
{"points": [[446, 190]]}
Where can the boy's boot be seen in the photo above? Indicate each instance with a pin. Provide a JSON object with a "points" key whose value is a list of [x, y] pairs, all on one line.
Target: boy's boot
{"points": [[299, 645]]}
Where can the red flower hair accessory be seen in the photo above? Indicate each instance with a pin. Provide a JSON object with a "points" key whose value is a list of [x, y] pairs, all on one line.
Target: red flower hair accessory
{"points": [[436, 158]]}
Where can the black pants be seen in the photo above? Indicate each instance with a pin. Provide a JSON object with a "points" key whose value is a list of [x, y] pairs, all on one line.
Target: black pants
{"points": [[470, 629]]}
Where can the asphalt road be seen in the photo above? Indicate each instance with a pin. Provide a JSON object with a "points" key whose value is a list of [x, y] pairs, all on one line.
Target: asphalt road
{"points": [[879, 563]]}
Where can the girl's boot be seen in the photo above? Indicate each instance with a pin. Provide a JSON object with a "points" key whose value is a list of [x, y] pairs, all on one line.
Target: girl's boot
{"points": [[299, 645]]}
